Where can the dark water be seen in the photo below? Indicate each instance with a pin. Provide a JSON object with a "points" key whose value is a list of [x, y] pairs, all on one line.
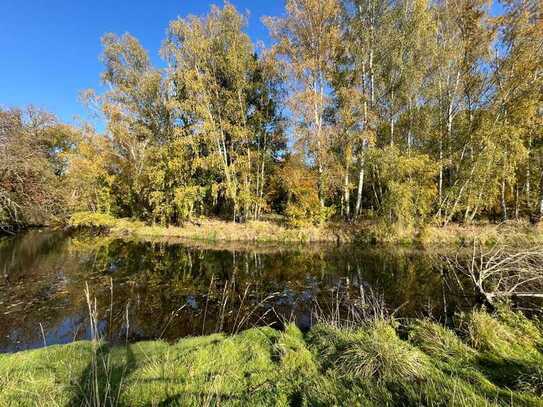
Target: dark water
{"points": [[148, 290]]}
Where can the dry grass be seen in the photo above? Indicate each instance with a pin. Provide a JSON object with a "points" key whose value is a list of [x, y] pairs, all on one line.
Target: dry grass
{"points": [[252, 231], [208, 230], [513, 233]]}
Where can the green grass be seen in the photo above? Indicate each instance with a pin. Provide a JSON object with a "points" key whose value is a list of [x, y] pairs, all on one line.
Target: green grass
{"points": [[487, 360]]}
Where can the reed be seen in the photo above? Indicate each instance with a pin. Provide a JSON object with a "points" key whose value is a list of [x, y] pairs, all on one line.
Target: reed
{"points": [[98, 387]]}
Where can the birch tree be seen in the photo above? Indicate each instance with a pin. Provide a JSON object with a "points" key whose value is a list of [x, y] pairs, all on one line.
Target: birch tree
{"points": [[137, 117], [308, 41], [230, 93]]}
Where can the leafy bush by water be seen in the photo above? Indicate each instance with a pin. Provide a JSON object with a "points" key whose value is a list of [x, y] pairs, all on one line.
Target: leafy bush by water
{"points": [[92, 220]]}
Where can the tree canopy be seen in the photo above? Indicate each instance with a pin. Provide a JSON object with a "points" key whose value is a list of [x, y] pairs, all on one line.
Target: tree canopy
{"points": [[402, 111]]}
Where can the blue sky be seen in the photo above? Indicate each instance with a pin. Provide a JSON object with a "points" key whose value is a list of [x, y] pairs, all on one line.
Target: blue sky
{"points": [[50, 49]]}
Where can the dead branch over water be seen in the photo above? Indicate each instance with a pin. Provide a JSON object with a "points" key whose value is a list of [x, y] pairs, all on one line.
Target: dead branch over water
{"points": [[500, 273]]}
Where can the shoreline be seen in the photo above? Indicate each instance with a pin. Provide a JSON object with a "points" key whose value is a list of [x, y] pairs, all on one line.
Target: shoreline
{"points": [[494, 358], [513, 233]]}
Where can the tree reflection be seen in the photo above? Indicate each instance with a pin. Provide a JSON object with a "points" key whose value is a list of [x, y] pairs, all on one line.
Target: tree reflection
{"points": [[173, 289]]}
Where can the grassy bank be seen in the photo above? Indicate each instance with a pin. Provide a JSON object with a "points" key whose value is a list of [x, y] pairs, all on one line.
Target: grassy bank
{"points": [[489, 360], [208, 230], [510, 233]]}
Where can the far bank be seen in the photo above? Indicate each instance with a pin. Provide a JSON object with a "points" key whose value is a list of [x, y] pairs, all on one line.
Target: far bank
{"points": [[512, 233]]}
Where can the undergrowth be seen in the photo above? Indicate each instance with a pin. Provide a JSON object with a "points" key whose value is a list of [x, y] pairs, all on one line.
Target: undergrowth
{"points": [[513, 233], [205, 229]]}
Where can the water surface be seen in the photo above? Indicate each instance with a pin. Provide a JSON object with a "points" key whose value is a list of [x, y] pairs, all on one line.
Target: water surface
{"points": [[170, 289]]}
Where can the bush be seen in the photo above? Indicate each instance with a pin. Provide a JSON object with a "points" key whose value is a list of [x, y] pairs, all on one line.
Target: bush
{"points": [[301, 186], [408, 186], [92, 220], [306, 213]]}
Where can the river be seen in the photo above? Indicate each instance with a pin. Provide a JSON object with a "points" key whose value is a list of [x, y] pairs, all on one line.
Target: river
{"points": [[170, 289]]}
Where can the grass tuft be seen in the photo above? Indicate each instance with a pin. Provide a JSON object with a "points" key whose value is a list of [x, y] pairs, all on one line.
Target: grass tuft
{"points": [[507, 334], [439, 342], [378, 353]]}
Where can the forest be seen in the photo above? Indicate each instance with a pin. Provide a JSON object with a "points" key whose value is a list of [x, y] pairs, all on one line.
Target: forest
{"points": [[398, 112]]}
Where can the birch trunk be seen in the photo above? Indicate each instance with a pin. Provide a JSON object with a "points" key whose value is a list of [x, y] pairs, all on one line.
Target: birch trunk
{"points": [[541, 199], [347, 195], [360, 188]]}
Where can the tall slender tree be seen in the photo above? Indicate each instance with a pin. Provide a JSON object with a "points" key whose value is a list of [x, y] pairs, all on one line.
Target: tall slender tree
{"points": [[308, 41]]}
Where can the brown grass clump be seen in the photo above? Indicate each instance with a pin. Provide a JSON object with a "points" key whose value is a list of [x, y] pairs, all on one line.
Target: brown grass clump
{"points": [[252, 231]]}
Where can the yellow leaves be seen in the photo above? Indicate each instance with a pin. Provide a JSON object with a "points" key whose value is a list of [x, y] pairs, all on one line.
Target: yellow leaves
{"points": [[395, 165], [408, 182], [301, 184], [186, 198], [298, 179], [308, 37]]}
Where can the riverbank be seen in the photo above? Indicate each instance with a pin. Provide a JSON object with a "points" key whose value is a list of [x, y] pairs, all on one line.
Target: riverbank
{"points": [[514, 233], [491, 360], [209, 230]]}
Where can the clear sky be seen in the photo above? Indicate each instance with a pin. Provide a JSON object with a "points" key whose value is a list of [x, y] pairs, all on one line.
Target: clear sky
{"points": [[50, 49]]}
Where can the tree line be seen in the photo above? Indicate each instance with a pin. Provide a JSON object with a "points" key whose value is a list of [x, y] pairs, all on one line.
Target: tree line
{"points": [[400, 111]]}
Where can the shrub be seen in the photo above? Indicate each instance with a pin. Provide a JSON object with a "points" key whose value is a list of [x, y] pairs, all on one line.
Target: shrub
{"points": [[300, 185], [305, 213], [188, 198], [408, 185], [93, 220]]}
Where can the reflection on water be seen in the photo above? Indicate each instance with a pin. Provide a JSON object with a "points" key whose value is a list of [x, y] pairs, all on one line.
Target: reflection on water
{"points": [[148, 290]]}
